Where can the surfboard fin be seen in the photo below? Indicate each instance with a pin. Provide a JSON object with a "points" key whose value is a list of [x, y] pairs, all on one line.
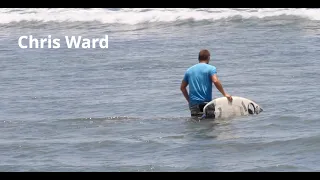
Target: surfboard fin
{"points": [[202, 117]]}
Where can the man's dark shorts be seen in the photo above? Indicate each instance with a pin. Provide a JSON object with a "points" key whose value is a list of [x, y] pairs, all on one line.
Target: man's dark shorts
{"points": [[197, 110]]}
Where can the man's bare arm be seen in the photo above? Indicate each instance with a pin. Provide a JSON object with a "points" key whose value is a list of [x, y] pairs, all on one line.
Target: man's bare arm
{"points": [[218, 85], [183, 88]]}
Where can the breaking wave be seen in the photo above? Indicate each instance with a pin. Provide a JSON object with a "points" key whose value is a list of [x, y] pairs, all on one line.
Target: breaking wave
{"points": [[132, 16]]}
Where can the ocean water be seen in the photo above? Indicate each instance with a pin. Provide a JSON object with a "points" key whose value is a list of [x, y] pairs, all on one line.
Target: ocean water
{"points": [[121, 108]]}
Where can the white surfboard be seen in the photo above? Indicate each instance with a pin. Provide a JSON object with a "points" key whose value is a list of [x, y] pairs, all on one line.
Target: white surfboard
{"points": [[222, 108]]}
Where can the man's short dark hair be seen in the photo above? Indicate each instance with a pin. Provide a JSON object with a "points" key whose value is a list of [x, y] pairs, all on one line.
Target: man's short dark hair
{"points": [[204, 55]]}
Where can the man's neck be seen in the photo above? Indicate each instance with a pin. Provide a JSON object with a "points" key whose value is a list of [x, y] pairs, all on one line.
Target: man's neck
{"points": [[206, 62]]}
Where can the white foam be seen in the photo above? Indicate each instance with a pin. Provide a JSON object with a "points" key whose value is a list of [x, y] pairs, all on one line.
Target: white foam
{"points": [[141, 15]]}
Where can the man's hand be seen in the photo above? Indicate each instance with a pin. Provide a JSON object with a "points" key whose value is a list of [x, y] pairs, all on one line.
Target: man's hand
{"points": [[229, 97]]}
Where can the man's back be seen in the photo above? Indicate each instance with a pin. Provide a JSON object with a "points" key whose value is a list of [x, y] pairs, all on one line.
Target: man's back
{"points": [[200, 83]]}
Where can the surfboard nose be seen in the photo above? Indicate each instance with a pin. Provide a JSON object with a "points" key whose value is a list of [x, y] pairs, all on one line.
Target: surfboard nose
{"points": [[260, 110]]}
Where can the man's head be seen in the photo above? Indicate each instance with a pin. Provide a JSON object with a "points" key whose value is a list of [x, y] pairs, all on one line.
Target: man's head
{"points": [[204, 56]]}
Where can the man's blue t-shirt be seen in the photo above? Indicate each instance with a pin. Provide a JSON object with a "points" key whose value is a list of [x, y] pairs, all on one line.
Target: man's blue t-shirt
{"points": [[200, 84]]}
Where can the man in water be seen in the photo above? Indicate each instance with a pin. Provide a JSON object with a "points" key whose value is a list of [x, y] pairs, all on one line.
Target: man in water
{"points": [[199, 77]]}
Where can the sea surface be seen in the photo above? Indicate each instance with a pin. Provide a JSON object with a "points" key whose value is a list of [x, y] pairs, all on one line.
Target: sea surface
{"points": [[121, 108]]}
